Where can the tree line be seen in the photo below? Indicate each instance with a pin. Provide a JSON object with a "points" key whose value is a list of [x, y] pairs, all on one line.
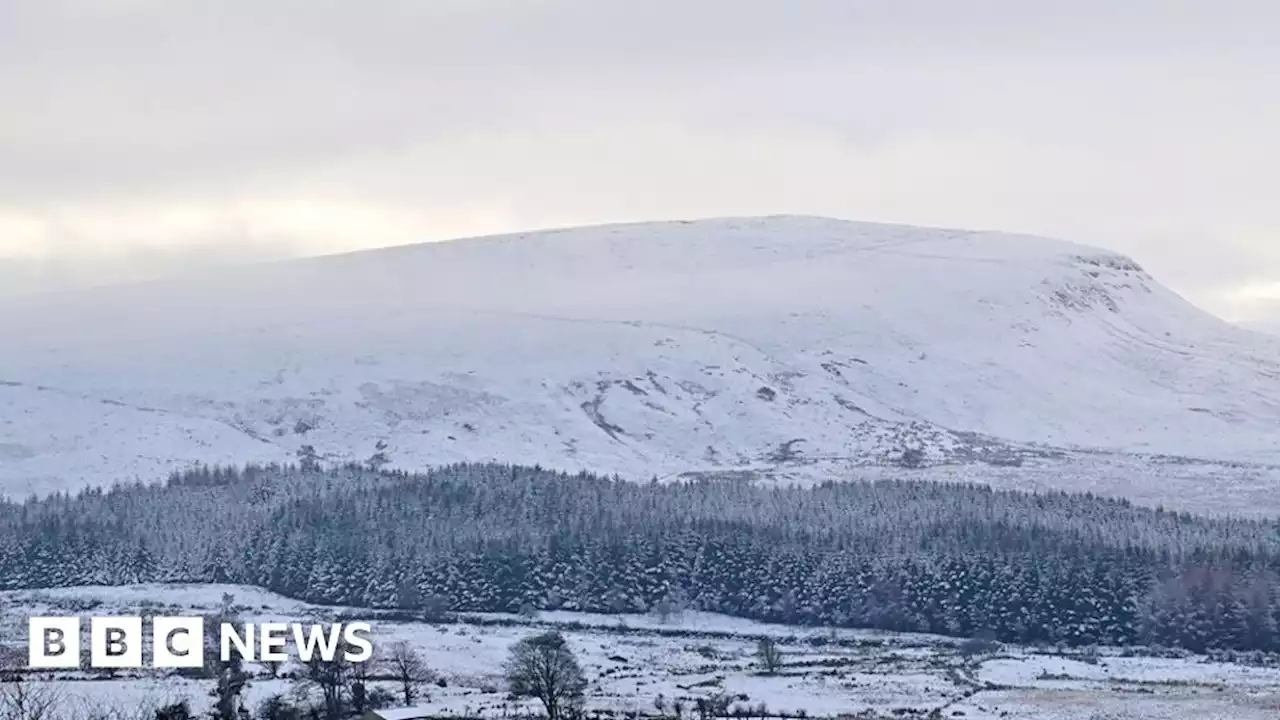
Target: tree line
{"points": [[953, 559]]}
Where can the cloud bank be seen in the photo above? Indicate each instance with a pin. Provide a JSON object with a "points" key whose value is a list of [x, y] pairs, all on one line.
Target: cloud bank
{"points": [[139, 135]]}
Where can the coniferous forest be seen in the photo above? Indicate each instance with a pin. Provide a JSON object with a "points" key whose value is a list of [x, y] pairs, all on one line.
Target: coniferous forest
{"points": [[953, 559]]}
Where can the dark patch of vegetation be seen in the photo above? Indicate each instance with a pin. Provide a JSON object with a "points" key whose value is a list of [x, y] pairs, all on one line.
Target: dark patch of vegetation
{"points": [[902, 556]]}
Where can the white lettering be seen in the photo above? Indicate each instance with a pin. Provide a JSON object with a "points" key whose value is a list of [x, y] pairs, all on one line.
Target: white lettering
{"points": [[271, 641], [244, 645], [316, 638], [352, 634]]}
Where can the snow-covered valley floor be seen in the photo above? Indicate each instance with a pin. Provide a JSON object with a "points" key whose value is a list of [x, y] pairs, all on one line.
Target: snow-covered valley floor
{"points": [[631, 660]]}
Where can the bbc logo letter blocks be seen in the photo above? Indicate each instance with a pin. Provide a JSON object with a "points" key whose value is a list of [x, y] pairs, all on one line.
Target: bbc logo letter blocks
{"points": [[179, 642], [115, 642]]}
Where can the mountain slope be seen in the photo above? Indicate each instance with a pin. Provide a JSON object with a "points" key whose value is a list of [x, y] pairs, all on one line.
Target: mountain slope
{"points": [[793, 345], [1271, 326]]}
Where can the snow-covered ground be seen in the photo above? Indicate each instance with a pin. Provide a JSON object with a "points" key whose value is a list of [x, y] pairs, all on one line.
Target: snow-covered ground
{"points": [[1268, 324], [631, 660], [800, 348]]}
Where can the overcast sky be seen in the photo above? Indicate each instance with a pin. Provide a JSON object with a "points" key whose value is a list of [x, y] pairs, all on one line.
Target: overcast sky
{"points": [[148, 134]]}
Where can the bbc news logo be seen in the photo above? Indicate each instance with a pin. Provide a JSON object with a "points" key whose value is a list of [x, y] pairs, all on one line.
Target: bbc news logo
{"points": [[179, 642]]}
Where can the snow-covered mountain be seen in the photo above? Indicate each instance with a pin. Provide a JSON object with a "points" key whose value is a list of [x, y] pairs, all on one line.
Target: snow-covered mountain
{"points": [[1270, 325], [795, 346]]}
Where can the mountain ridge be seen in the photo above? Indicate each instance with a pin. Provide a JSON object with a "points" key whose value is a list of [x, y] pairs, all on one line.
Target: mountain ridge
{"points": [[791, 347]]}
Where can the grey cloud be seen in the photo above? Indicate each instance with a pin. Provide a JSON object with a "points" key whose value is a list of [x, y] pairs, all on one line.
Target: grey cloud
{"points": [[1269, 318], [85, 266], [1146, 125]]}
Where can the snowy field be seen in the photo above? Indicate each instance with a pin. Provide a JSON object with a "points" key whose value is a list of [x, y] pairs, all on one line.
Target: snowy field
{"points": [[631, 660]]}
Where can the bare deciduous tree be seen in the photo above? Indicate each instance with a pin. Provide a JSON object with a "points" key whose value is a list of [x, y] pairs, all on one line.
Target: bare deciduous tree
{"points": [[769, 655], [230, 675], [408, 669], [543, 667], [330, 677], [712, 707], [273, 667], [359, 684], [22, 698]]}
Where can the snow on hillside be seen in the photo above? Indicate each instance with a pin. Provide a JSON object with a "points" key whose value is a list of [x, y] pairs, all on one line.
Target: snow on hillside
{"points": [[1270, 325], [796, 347], [631, 660]]}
